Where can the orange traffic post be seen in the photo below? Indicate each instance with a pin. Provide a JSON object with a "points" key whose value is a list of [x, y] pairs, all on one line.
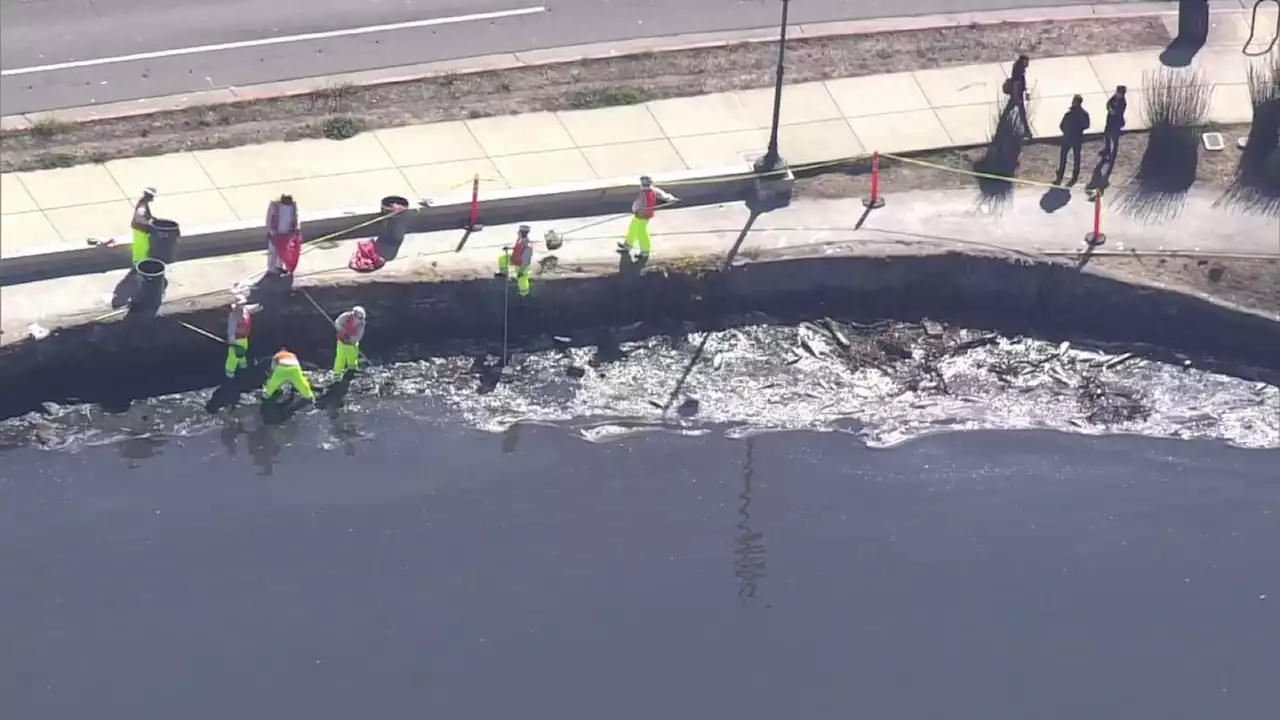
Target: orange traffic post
{"points": [[473, 222], [1096, 237], [876, 200]]}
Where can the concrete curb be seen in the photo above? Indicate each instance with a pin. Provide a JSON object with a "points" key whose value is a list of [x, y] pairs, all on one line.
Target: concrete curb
{"points": [[507, 61], [501, 207]]}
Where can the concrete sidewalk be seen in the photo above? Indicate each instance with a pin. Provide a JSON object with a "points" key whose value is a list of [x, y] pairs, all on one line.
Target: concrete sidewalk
{"points": [[923, 222], [821, 121]]}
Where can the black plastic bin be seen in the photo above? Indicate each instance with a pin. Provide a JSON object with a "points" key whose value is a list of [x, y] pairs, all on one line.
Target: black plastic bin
{"points": [[392, 231], [164, 241], [151, 284]]}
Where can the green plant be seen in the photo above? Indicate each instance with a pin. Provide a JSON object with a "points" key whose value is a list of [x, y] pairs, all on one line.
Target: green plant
{"points": [[610, 96], [57, 160], [342, 127]]}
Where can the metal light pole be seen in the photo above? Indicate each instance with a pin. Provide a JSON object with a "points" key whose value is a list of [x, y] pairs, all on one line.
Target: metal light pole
{"points": [[771, 161]]}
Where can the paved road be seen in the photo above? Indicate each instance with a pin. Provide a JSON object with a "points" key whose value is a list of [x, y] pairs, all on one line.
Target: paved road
{"points": [[39, 33]]}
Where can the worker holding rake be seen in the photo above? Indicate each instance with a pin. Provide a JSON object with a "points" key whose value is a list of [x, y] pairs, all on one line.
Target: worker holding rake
{"points": [[642, 210]]}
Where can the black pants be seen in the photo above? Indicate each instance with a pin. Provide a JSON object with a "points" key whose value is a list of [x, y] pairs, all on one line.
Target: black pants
{"points": [[1111, 141], [1072, 146]]}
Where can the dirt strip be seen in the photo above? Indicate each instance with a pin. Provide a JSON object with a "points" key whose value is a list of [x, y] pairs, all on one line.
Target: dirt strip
{"points": [[343, 111]]}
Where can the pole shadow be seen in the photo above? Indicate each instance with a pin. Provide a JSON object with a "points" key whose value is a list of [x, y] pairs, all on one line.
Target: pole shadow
{"points": [[466, 235], [1193, 34], [756, 212]]}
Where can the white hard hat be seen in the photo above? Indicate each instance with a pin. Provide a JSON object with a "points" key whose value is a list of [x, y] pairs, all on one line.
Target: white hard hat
{"points": [[149, 190], [359, 311], [645, 181]]}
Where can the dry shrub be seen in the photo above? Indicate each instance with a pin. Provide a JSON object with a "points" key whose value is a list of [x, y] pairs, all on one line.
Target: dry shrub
{"points": [[1176, 108]]}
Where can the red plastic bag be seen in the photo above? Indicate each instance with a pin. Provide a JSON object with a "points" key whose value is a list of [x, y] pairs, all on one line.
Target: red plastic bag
{"points": [[289, 248], [366, 257]]}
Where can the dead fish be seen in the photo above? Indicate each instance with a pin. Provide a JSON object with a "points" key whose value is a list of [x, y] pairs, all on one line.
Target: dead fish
{"points": [[834, 329], [1117, 361], [932, 327], [1063, 348]]}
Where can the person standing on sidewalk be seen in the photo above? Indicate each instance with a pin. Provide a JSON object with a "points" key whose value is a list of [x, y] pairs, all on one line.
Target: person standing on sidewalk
{"points": [[517, 261], [284, 241], [1016, 89], [1073, 126], [1116, 107], [239, 324], [141, 225], [642, 210], [350, 326]]}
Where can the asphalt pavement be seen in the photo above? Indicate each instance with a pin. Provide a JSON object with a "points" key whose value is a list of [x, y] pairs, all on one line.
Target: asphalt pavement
{"points": [[183, 41]]}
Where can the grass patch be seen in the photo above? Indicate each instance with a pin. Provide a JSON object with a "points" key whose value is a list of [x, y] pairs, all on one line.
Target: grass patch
{"points": [[611, 96], [49, 127], [333, 99]]}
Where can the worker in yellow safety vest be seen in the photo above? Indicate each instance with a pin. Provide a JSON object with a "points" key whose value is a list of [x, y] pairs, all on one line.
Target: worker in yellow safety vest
{"points": [[516, 262], [140, 246], [642, 210], [239, 323], [350, 326], [286, 370]]}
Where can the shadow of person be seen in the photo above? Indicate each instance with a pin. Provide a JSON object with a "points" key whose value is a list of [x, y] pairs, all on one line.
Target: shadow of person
{"points": [[281, 408], [1054, 199], [1101, 177], [631, 265], [124, 291], [271, 287], [331, 397]]}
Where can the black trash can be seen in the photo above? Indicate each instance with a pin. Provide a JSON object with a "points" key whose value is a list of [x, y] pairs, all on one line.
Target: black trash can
{"points": [[392, 231], [164, 241], [151, 284]]}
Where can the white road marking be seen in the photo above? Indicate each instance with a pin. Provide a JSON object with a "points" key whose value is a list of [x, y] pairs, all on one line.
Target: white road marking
{"points": [[451, 20]]}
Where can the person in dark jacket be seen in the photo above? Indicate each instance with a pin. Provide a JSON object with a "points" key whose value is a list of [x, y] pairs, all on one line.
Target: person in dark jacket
{"points": [[1116, 107], [1016, 88], [1073, 126]]}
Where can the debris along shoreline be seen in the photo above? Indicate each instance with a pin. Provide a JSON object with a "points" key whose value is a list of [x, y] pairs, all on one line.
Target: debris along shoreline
{"points": [[342, 111], [425, 315], [888, 381]]}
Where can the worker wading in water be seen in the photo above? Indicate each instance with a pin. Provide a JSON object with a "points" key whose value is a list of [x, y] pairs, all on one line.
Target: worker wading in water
{"points": [[286, 370], [642, 210], [516, 262], [350, 326], [239, 323], [141, 225]]}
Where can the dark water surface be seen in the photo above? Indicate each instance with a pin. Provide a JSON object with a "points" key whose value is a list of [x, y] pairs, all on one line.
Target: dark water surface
{"points": [[433, 571]]}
